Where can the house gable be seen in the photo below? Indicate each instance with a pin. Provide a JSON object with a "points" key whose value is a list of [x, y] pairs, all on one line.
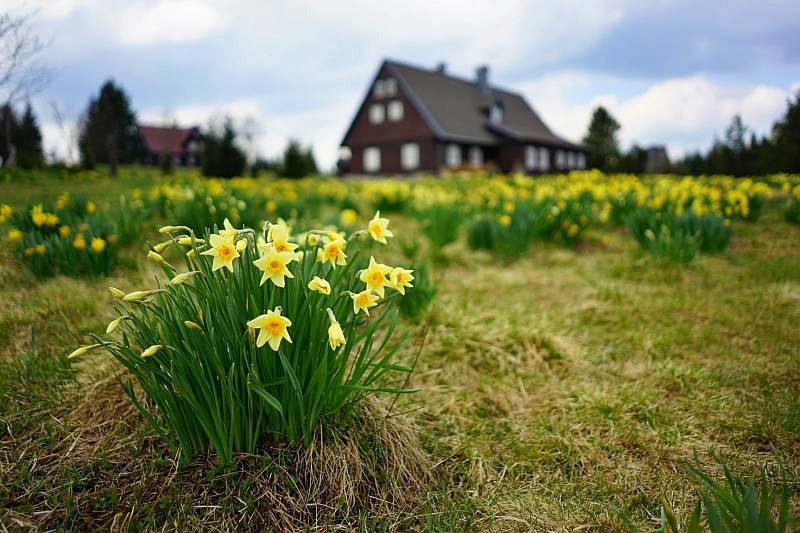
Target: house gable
{"points": [[413, 124]]}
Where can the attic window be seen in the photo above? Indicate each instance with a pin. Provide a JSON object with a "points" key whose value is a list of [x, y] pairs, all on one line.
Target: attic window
{"points": [[389, 87], [496, 113], [379, 90]]}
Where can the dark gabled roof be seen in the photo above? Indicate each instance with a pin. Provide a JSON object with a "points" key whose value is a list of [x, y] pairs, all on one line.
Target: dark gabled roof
{"points": [[456, 110], [170, 140]]}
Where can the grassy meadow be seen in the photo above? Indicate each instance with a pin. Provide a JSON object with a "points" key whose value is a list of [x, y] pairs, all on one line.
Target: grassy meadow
{"points": [[570, 382]]}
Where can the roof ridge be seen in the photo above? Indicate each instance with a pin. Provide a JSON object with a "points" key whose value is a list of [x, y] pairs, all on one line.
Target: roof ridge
{"points": [[446, 74]]}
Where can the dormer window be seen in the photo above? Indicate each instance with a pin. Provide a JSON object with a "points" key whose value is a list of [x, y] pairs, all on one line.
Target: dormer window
{"points": [[496, 113]]}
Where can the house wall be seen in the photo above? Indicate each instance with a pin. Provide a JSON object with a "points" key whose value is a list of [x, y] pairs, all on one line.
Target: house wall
{"points": [[390, 156]]}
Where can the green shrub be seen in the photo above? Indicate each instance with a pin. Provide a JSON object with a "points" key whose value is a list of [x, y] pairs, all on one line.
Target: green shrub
{"points": [[792, 211], [441, 223], [481, 233]]}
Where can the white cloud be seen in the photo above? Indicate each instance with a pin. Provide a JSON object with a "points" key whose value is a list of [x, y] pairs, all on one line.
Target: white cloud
{"points": [[683, 113], [166, 21]]}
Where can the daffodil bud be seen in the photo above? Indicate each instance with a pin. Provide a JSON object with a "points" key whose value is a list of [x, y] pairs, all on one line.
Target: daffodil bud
{"points": [[160, 247], [169, 229], [187, 241], [114, 324], [151, 351], [156, 258], [116, 293], [192, 325], [82, 350], [184, 277], [138, 296], [241, 245]]}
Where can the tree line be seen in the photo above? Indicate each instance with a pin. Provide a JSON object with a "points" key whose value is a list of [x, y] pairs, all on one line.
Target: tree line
{"points": [[740, 152], [108, 133]]}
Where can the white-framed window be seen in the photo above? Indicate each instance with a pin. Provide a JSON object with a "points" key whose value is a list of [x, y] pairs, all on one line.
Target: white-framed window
{"points": [[560, 159], [379, 89], [395, 110], [531, 157], [345, 154], [476, 156], [389, 87], [376, 113], [452, 155], [544, 159], [372, 159], [571, 159], [496, 113], [409, 156], [581, 160]]}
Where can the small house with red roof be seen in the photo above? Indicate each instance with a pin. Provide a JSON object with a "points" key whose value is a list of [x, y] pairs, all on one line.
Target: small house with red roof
{"points": [[183, 145]]}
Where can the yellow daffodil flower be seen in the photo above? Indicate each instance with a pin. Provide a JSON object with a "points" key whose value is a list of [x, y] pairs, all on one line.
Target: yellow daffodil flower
{"points": [[378, 228], [278, 237], [363, 301], [274, 329], [320, 285], [273, 264], [375, 276], [335, 333], [334, 252], [401, 278], [14, 235], [98, 245], [223, 250], [79, 243], [64, 231], [229, 231]]}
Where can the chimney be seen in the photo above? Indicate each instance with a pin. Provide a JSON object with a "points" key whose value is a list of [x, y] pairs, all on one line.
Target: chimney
{"points": [[440, 67], [483, 79]]}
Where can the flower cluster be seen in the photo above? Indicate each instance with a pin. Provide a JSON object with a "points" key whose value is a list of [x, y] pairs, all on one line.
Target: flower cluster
{"points": [[263, 333]]}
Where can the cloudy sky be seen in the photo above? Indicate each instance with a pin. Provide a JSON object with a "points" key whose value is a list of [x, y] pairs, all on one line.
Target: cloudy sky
{"points": [[671, 71]]}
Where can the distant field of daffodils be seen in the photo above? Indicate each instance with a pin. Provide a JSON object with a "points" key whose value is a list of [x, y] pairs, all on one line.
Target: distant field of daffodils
{"points": [[465, 352]]}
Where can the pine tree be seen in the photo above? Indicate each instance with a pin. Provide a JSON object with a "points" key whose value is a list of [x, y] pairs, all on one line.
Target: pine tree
{"points": [[601, 139], [222, 157], [786, 136], [297, 161], [29, 140], [109, 133]]}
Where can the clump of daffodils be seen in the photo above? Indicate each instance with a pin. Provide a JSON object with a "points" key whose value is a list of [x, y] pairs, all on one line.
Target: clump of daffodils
{"points": [[259, 335]]}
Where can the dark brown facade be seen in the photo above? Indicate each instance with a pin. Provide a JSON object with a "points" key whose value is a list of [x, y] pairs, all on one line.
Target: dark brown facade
{"points": [[419, 121]]}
